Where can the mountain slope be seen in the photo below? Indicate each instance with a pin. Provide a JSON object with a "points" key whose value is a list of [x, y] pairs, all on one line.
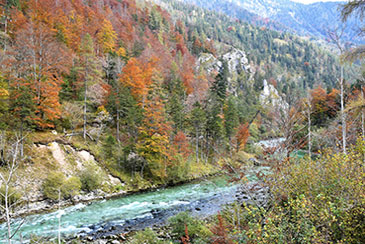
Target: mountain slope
{"points": [[273, 55], [312, 19]]}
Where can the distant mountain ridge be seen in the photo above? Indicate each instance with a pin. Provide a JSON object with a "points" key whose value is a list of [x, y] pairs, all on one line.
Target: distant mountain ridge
{"points": [[303, 19]]}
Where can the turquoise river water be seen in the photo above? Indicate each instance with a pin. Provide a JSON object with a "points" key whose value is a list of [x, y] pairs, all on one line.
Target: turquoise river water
{"points": [[86, 218]]}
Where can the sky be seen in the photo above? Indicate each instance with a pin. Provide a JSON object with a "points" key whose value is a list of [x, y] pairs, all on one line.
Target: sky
{"points": [[313, 1]]}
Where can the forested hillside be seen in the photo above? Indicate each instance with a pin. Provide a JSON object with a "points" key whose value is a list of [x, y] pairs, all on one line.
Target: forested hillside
{"points": [[281, 56], [130, 84], [101, 98]]}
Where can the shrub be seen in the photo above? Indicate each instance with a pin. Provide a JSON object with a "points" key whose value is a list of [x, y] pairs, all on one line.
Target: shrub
{"points": [[71, 187], [56, 181], [220, 232], [53, 184], [315, 201], [179, 170], [198, 232], [147, 236], [90, 179], [13, 198]]}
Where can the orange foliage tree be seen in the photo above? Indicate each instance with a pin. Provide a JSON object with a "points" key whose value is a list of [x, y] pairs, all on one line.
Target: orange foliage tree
{"points": [[138, 77], [181, 144], [325, 105], [153, 142], [242, 136], [42, 60]]}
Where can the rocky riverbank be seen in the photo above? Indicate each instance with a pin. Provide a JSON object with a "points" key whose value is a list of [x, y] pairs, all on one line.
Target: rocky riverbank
{"points": [[250, 193], [46, 205]]}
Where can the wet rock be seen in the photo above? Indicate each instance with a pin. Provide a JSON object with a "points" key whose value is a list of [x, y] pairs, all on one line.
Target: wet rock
{"points": [[114, 237], [155, 212], [254, 161], [122, 237]]}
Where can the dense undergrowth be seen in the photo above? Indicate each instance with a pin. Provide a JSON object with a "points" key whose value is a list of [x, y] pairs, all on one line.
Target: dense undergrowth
{"points": [[312, 201]]}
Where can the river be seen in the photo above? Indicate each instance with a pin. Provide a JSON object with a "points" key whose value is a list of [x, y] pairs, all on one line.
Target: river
{"points": [[130, 212]]}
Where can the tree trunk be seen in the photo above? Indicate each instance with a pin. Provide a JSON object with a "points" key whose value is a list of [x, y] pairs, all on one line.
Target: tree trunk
{"points": [[22, 141], [207, 155], [118, 140], [119, 71], [343, 114], [230, 146], [85, 102], [309, 130], [7, 211], [59, 216], [363, 114], [197, 145]]}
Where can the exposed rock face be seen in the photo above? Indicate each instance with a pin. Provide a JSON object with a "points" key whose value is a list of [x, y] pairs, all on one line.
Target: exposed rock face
{"points": [[66, 158], [209, 63], [237, 60], [237, 63], [57, 156], [271, 97]]}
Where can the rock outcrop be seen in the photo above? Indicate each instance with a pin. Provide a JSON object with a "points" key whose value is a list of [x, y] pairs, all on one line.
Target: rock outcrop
{"points": [[236, 61], [270, 97]]}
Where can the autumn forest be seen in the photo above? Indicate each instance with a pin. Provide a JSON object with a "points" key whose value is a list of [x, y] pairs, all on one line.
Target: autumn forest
{"points": [[102, 99]]}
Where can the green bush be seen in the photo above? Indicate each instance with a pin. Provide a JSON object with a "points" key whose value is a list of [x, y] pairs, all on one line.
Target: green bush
{"points": [[109, 146], [53, 184], [71, 187], [179, 171], [56, 181], [198, 232], [354, 224], [315, 201], [147, 236], [13, 198], [90, 179]]}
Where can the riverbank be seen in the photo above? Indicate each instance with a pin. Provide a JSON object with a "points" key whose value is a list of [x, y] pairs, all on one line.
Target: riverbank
{"points": [[72, 157], [204, 209], [133, 211], [47, 206], [207, 201]]}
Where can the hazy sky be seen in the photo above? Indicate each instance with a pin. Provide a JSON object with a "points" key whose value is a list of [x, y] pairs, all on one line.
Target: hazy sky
{"points": [[312, 1]]}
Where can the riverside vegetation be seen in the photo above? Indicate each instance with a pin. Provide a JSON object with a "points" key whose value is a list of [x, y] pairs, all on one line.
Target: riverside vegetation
{"points": [[101, 98]]}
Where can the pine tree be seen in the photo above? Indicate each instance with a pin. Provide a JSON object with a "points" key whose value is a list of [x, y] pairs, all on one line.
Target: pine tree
{"points": [[230, 119], [197, 121], [175, 104]]}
